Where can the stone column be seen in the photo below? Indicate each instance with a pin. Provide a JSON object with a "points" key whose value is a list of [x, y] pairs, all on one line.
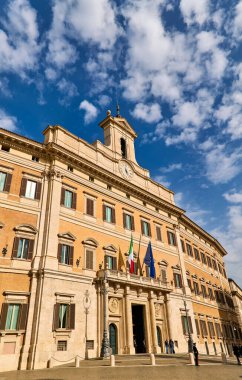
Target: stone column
{"points": [[153, 322], [182, 263], [98, 320], [129, 349], [169, 317]]}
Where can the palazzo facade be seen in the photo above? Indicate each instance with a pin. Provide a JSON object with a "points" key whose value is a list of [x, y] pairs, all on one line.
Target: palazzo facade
{"points": [[67, 212]]}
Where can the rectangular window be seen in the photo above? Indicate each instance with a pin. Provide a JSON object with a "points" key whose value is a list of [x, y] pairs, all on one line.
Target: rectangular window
{"points": [[3, 177], [35, 159], [65, 254], [211, 329], [158, 233], [214, 264], [209, 262], [30, 189], [220, 268], [68, 199], [23, 248], [218, 330], [64, 316], [171, 238], [111, 261], [108, 214], [189, 250], [204, 329], [12, 317], [183, 246], [204, 292], [90, 206], [210, 294], [197, 327], [177, 280], [187, 325], [62, 345], [203, 257], [196, 253], [145, 228], [89, 259], [196, 288], [128, 221]]}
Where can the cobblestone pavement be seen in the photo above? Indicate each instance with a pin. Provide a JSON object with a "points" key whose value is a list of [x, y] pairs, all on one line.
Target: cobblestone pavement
{"points": [[174, 367]]}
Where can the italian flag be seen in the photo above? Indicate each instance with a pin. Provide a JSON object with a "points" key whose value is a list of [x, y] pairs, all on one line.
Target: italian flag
{"points": [[131, 255]]}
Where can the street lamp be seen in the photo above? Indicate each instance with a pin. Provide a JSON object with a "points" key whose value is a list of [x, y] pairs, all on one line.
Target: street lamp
{"points": [[190, 341], [86, 304], [105, 349]]}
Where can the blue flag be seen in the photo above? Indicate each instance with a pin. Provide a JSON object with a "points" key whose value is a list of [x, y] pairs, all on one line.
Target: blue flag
{"points": [[149, 260]]}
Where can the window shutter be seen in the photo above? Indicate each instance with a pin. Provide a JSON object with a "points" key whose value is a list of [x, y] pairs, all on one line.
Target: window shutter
{"points": [[38, 190], [59, 252], [7, 182], [22, 319], [62, 202], [175, 280], [15, 247], [90, 207], [56, 316], [71, 252], [89, 259], [4, 313], [23, 187], [174, 237], [197, 327], [104, 213], [73, 201], [142, 227], [180, 280], [72, 308], [113, 215], [30, 249], [124, 220], [132, 223], [190, 325], [163, 275], [149, 230], [158, 233], [115, 263], [168, 237], [183, 325]]}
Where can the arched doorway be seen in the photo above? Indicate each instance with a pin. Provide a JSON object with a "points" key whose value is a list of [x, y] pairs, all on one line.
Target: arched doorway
{"points": [[159, 338], [113, 338]]}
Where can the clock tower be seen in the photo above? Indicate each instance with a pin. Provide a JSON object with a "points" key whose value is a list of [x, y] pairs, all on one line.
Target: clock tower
{"points": [[119, 136]]}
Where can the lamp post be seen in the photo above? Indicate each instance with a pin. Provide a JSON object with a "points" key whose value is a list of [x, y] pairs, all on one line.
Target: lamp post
{"points": [[105, 349], [190, 341], [86, 304]]}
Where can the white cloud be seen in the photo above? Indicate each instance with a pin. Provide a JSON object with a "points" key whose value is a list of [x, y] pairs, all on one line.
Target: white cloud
{"points": [[67, 88], [188, 113], [178, 198], [233, 197], [19, 38], [4, 87], [172, 167], [195, 11], [104, 100], [162, 180], [150, 113], [8, 122], [238, 21], [90, 111]]}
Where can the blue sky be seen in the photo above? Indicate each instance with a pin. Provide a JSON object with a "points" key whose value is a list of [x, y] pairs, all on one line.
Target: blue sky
{"points": [[176, 69]]}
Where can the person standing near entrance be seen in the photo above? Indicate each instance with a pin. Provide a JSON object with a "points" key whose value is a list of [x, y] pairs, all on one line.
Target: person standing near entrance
{"points": [[171, 345], [166, 346], [195, 352], [236, 352]]}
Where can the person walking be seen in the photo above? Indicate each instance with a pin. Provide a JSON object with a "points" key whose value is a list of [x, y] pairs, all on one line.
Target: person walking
{"points": [[171, 345], [166, 346], [236, 352], [195, 352]]}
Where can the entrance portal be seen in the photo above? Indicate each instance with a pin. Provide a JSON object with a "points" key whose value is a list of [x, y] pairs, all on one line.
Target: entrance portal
{"points": [[138, 328], [113, 338]]}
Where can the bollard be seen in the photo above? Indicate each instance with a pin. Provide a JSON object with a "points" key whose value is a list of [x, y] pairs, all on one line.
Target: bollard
{"points": [[152, 359], [191, 358], [112, 360], [223, 357], [50, 363], [77, 362]]}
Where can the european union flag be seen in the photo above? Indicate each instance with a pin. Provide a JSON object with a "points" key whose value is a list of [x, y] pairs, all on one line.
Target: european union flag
{"points": [[149, 260]]}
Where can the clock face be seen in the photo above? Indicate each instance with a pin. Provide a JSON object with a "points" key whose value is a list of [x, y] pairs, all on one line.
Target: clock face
{"points": [[125, 170]]}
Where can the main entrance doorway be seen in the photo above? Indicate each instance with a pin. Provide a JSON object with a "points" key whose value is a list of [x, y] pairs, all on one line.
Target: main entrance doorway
{"points": [[113, 338], [138, 328]]}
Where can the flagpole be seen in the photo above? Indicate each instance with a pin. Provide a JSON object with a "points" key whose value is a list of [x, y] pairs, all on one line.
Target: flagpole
{"points": [[138, 262]]}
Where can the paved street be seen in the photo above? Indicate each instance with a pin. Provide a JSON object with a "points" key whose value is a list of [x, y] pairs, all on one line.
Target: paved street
{"points": [[131, 368]]}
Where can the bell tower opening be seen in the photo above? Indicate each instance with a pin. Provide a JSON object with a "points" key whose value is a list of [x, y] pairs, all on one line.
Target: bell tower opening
{"points": [[123, 147]]}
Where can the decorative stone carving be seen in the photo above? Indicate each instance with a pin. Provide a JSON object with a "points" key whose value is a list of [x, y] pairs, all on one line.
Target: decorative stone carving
{"points": [[157, 310], [113, 305]]}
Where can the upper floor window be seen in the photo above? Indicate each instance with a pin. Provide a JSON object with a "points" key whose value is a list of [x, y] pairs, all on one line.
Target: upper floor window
{"points": [[187, 325], [204, 329], [5, 181], [123, 147], [89, 259], [211, 329], [90, 206], [111, 262], [196, 288], [68, 198], [177, 280], [5, 148], [209, 261], [158, 233], [189, 249], [204, 292], [64, 316], [214, 264], [203, 257], [171, 238], [145, 228], [23, 248], [197, 256], [65, 254], [183, 246], [13, 316], [35, 159], [30, 189], [210, 294], [128, 221], [108, 214]]}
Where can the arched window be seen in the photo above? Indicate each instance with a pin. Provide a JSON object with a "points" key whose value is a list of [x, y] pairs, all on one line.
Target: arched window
{"points": [[123, 147]]}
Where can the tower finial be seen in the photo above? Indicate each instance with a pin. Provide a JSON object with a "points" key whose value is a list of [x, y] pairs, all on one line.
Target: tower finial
{"points": [[117, 104]]}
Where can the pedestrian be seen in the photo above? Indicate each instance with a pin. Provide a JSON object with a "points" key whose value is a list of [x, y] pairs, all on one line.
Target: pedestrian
{"points": [[195, 352], [171, 345], [166, 346], [236, 352]]}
